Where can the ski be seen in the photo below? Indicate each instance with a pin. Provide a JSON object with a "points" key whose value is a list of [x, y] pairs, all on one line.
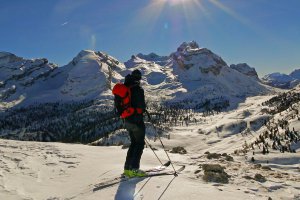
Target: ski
{"points": [[164, 173], [121, 179], [159, 168]]}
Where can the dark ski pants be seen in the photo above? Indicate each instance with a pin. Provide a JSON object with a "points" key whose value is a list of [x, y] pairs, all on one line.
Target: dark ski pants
{"points": [[135, 151]]}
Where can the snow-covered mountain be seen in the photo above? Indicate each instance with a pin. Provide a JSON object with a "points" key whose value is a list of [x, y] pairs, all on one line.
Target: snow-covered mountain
{"points": [[19, 78], [295, 74], [280, 80], [244, 68], [87, 76], [206, 75], [195, 75]]}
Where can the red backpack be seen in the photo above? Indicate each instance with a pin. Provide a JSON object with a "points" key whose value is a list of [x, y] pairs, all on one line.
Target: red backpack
{"points": [[123, 101]]}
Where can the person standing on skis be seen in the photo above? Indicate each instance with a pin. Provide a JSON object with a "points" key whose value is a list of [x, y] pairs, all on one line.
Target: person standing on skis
{"points": [[134, 123]]}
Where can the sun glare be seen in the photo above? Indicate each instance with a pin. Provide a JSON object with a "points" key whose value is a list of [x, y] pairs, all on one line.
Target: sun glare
{"points": [[176, 2], [191, 10]]}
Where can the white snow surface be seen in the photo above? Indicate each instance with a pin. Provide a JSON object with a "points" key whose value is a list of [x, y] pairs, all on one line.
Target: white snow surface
{"points": [[33, 170]]}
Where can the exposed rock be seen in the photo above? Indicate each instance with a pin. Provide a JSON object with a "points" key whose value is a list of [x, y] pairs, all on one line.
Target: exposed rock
{"points": [[179, 150], [216, 177], [260, 178], [213, 156], [266, 168], [217, 156], [215, 173], [228, 158], [213, 168], [247, 177], [257, 166], [244, 68]]}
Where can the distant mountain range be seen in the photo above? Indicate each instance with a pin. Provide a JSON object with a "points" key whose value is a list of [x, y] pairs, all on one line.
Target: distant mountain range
{"points": [[190, 74], [283, 81]]}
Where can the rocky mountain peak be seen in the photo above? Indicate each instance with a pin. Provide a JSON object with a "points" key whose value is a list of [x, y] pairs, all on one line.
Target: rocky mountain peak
{"points": [[244, 68], [153, 57], [6, 57], [190, 57]]}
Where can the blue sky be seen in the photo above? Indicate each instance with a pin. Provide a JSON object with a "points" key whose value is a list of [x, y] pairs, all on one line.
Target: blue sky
{"points": [[263, 33]]}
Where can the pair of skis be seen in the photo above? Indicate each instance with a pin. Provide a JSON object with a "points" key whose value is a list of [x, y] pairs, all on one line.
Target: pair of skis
{"points": [[156, 171]]}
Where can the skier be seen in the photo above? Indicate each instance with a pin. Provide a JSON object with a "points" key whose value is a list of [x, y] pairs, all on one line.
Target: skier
{"points": [[134, 123]]}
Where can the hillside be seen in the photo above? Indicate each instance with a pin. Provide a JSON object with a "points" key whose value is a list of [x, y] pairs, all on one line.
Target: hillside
{"points": [[33, 170]]}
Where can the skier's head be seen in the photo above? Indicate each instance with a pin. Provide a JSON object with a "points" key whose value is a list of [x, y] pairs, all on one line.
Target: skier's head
{"points": [[136, 74]]}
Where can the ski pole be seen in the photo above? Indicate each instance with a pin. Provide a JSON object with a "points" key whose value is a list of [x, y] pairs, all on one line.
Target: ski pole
{"points": [[153, 151], [175, 174]]}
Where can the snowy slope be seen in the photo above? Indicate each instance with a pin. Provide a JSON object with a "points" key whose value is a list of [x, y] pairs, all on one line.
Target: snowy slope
{"points": [[33, 170]]}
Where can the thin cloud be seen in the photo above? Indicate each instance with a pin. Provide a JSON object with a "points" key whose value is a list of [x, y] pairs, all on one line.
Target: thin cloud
{"points": [[65, 23], [69, 6]]}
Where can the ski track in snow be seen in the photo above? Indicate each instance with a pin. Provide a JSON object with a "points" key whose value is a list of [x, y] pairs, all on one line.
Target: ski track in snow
{"points": [[57, 171]]}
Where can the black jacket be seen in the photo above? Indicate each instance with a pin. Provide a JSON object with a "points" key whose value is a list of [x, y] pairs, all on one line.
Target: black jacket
{"points": [[137, 98]]}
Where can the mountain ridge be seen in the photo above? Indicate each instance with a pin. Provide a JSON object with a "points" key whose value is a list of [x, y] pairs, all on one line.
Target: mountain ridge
{"points": [[189, 73]]}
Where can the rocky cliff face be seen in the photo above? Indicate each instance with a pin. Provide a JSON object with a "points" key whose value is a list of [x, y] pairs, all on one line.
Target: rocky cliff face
{"points": [[244, 68], [190, 56], [206, 74], [18, 74]]}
